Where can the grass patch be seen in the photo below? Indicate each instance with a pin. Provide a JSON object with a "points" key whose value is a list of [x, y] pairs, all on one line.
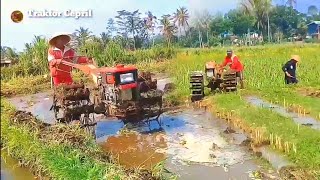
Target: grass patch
{"points": [[55, 159], [264, 77], [307, 140], [33, 84], [263, 74]]}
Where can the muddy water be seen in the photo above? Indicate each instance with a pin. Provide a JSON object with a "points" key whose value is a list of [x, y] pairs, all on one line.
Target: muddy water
{"points": [[10, 169], [191, 143], [307, 121], [38, 104]]}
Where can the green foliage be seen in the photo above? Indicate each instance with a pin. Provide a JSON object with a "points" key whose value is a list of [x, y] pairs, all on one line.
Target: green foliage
{"points": [[287, 20], [56, 161], [240, 22], [263, 77], [33, 61]]}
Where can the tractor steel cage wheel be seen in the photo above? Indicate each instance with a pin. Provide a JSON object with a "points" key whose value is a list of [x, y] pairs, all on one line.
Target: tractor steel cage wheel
{"points": [[88, 124]]}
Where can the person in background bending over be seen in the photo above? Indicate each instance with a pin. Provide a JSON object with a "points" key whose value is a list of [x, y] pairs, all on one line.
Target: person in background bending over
{"points": [[235, 65], [290, 70]]}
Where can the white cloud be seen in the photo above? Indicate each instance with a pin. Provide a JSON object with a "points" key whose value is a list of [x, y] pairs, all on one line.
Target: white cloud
{"points": [[17, 34], [212, 6]]}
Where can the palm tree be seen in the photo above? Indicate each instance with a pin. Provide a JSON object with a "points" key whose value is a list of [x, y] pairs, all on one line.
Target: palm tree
{"points": [[291, 3], [150, 21], [204, 22], [313, 10], [105, 37], [111, 27], [167, 28], [181, 17], [260, 9], [9, 53], [129, 22], [83, 34]]}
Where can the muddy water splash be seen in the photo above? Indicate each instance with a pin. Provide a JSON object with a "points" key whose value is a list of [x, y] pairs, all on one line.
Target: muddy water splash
{"points": [[313, 123], [10, 169], [191, 142]]}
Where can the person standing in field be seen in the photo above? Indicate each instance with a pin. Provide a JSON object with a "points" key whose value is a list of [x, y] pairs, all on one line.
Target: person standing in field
{"points": [[290, 70], [235, 65], [59, 51]]}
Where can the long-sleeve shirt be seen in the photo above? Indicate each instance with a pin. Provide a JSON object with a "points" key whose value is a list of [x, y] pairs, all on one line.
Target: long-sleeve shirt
{"points": [[55, 53], [290, 67], [235, 63]]}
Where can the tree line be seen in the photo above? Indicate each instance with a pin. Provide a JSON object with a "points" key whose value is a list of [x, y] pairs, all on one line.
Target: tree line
{"points": [[252, 20]]}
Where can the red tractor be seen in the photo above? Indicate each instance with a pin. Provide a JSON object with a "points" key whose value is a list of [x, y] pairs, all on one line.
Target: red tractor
{"points": [[118, 92]]}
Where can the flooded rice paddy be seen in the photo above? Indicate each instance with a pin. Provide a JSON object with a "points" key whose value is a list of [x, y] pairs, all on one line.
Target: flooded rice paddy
{"points": [[190, 142], [299, 119]]}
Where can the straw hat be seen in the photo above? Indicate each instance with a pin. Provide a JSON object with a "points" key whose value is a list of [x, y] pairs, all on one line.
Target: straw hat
{"points": [[295, 57], [65, 37]]}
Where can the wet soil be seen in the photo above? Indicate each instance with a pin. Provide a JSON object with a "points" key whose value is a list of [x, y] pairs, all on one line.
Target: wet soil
{"points": [[38, 104], [191, 143], [309, 92], [299, 119]]}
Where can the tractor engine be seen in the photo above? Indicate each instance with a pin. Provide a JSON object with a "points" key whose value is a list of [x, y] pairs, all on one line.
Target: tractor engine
{"points": [[123, 93], [216, 78]]}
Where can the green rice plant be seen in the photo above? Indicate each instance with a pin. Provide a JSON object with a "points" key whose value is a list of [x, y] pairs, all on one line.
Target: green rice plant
{"points": [[56, 160], [264, 77]]}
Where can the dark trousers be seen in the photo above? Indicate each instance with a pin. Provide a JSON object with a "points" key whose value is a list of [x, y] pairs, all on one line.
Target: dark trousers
{"points": [[290, 80], [240, 78]]}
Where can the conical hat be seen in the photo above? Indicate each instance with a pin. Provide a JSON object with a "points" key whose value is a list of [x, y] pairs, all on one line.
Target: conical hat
{"points": [[295, 57], [66, 38]]}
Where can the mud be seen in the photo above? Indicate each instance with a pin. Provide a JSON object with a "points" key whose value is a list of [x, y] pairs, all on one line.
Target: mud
{"points": [[38, 104], [309, 92], [301, 120], [11, 170], [191, 144], [276, 160]]}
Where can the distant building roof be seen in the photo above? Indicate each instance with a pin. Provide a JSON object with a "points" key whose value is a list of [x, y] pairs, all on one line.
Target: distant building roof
{"points": [[314, 22]]}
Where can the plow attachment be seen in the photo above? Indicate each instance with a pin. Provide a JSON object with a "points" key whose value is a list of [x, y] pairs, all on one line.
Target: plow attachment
{"points": [[72, 103]]}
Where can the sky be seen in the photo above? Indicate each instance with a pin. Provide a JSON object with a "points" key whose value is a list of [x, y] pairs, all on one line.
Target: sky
{"points": [[17, 34]]}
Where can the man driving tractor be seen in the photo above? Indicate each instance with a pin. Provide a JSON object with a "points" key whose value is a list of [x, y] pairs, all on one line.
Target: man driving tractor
{"points": [[58, 52], [235, 65]]}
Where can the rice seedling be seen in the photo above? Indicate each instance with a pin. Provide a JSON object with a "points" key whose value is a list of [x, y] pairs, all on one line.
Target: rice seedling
{"points": [[264, 78]]}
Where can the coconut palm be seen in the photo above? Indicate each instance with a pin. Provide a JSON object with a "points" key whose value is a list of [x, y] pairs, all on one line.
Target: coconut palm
{"points": [[9, 53], [291, 3], [83, 34], [105, 37], [150, 22], [167, 28], [313, 10], [259, 9], [181, 17]]}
